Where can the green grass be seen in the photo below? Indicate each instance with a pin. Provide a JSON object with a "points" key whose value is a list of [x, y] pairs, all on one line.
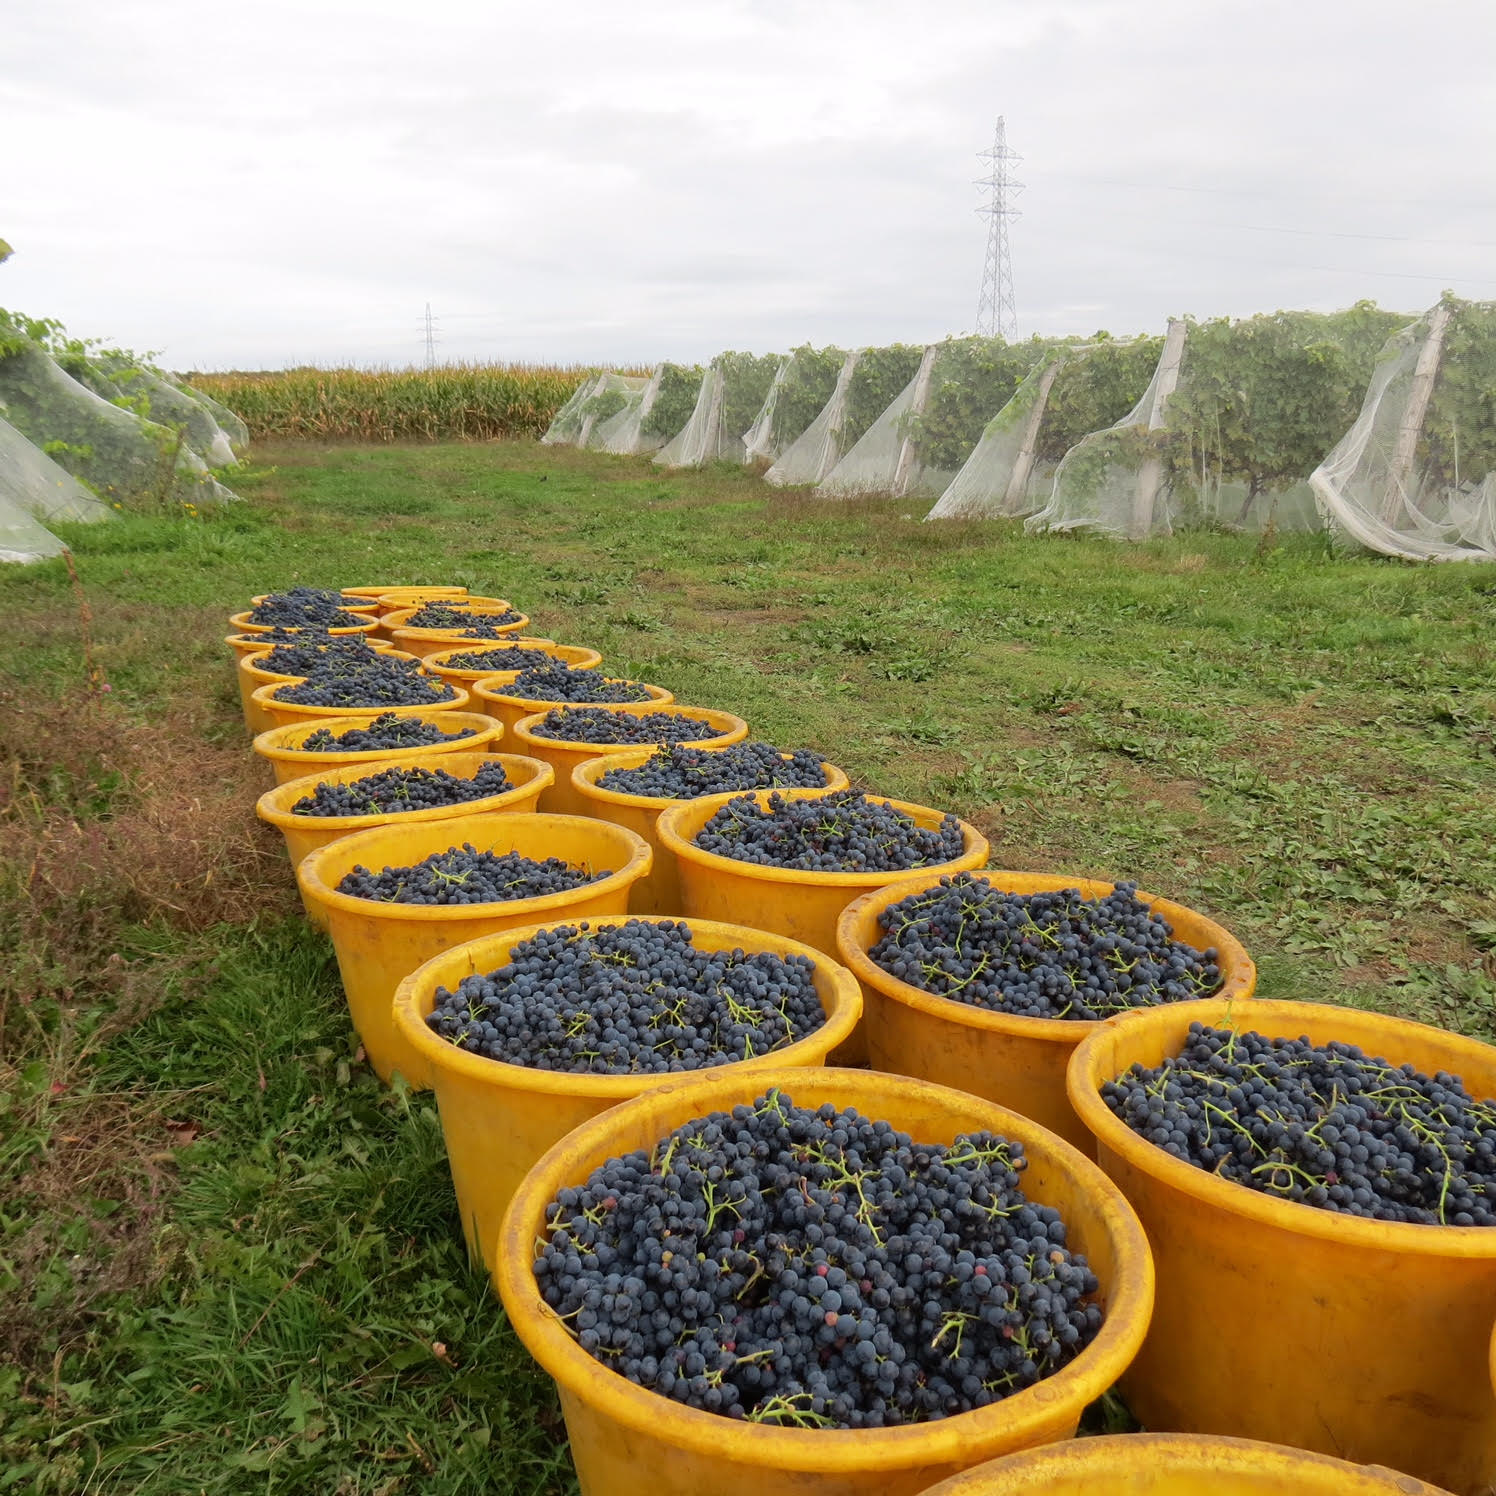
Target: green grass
{"points": [[228, 1257]]}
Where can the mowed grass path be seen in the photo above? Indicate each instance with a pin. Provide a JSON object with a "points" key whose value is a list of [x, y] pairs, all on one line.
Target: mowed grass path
{"points": [[229, 1260]]}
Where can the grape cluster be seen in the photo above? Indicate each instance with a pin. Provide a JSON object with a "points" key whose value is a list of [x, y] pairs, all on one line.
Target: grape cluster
{"points": [[306, 657], [1319, 1124], [514, 657], [1040, 955], [305, 608], [269, 638], [457, 615], [629, 999], [630, 729], [481, 628], [557, 681], [383, 732], [464, 875], [840, 833], [376, 680], [391, 791], [677, 773], [818, 1269]]}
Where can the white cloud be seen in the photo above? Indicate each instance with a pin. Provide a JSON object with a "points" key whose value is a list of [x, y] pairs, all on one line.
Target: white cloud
{"points": [[292, 182]]}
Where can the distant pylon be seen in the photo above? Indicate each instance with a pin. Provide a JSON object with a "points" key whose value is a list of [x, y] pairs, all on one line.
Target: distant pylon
{"points": [[997, 312], [430, 338]]}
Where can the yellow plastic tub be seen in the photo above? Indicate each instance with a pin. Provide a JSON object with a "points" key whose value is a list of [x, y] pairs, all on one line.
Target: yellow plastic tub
{"points": [[1175, 1465], [253, 675], [373, 594], [349, 605], [803, 905], [304, 834], [1017, 1062], [498, 1119], [284, 713], [564, 756], [492, 695], [246, 645], [400, 599], [1365, 1339], [379, 945], [659, 893], [568, 654], [281, 746], [627, 1441], [240, 624]]}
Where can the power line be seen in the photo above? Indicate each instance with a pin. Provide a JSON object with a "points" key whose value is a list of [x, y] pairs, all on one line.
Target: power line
{"points": [[997, 311]]}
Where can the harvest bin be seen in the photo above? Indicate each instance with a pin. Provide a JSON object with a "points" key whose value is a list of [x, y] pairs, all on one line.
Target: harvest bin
{"points": [[659, 893], [803, 905], [281, 746], [240, 624], [492, 695], [422, 641], [1279, 1321], [498, 1119], [379, 945], [563, 755], [304, 834], [627, 1441], [1015, 1061], [1175, 1465], [287, 712], [436, 660], [253, 674]]}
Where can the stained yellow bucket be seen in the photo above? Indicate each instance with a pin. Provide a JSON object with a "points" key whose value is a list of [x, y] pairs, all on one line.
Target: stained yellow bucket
{"points": [[659, 893], [281, 746], [1017, 1062], [379, 945], [1365, 1339], [492, 695], [627, 1441], [803, 905], [1176, 1465], [498, 1119], [564, 755], [286, 713]]}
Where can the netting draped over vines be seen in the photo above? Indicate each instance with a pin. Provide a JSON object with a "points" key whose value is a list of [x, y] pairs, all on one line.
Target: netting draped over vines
{"points": [[1415, 475], [623, 432], [119, 453], [818, 448], [803, 383], [927, 432], [732, 392], [1236, 417], [566, 424], [1070, 393], [34, 492]]}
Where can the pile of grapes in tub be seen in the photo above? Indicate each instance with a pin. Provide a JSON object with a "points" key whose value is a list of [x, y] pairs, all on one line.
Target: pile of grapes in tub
{"points": [[786, 1261]]}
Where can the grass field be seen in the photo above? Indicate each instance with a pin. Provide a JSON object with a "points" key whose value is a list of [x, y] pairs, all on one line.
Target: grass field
{"points": [[229, 1260]]}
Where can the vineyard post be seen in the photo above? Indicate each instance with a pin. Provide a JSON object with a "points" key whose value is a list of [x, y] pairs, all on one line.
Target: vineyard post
{"points": [[917, 408], [1023, 464], [1150, 474], [1424, 373]]}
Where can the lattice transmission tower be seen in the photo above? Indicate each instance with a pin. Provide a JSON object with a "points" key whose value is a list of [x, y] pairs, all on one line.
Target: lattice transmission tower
{"points": [[429, 326], [997, 312]]}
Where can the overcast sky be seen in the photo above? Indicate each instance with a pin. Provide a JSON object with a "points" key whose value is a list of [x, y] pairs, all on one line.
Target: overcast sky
{"points": [[291, 181]]}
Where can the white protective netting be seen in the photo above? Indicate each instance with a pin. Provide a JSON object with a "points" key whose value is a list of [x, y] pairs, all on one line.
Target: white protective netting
{"points": [[1067, 395], [818, 448], [624, 431], [924, 436], [34, 489], [804, 381], [609, 396], [733, 389], [1236, 417], [1415, 476], [118, 453], [567, 422], [169, 405], [228, 421]]}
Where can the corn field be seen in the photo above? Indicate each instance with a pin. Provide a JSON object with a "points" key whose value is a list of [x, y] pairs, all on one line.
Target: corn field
{"points": [[453, 402]]}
